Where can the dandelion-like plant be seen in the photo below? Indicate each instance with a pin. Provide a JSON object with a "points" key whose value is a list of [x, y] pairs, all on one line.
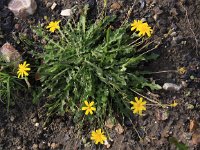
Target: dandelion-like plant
{"points": [[182, 70], [91, 60], [98, 136], [53, 25], [23, 70], [89, 107], [136, 24], [138, 105], [142, 27]]}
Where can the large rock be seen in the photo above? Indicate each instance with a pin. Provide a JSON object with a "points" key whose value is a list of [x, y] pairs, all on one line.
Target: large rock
{"points": [[22, 8], [10, 54]]}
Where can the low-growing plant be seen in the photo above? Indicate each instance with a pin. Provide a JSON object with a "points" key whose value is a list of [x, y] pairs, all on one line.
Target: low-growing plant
{"points": [[92, 68], [10, 85]]}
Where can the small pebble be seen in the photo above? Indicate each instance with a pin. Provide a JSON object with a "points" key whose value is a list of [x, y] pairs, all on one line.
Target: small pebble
{"points": [[115, 6], [171, 87], [36, 124], [66, 12], [34, 120], [42, 145], [119, 129], [155, 17], [189, 106], [107, 144], [18, 26], [53, 6], [49, 4], [35, 146], [12, 118], [54, 145]]}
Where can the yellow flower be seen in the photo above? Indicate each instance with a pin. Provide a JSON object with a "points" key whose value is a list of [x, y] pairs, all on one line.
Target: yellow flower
{"points": [[98, 136], [53, 26], [138, 105], [136, 24], [182, 70], [89, 108], [22, 70], [174, 104], [144, 29]]}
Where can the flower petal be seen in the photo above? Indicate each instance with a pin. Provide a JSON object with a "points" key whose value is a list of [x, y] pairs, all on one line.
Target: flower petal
{"points": [[92, 103], [86, 103], [24, 64], [136, 99], [87, 112], [135, 111], [93, 108], [144, 102], [140, 100], [84, 108], [90, 111], [27, 69]]}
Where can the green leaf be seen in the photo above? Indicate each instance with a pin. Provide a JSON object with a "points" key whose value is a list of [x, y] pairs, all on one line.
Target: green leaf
{"points": [[152, 86]]}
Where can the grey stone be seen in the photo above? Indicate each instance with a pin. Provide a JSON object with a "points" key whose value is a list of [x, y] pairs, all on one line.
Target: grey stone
{"points": [[12, 118], [171, 87], [10, 54], [22, 8], [35, 147]]}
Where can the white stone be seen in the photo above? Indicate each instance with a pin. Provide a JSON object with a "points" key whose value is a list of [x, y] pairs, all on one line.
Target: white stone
{"points": [[66, 12], [53, 6], [22, 8], [171, 87], [10, 54], [36, 124]]}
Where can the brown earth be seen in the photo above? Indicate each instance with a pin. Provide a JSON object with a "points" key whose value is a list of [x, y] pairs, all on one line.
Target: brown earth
{"points": [[177, 26]]}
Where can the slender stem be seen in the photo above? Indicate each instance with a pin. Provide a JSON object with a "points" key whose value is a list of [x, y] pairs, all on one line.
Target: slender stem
{"points": [[135, 129], [135, 41], [129, 13], [150, 49], [164, 71], [151, 100], [27, 82]]}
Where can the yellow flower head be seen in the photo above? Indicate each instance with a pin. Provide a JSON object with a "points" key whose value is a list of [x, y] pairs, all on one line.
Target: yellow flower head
{"points": [[53, 25], [22, 70], [144, 29], [138, 105], [89, 109], [174, 104], [182, 70], [98, 136], [136, 24]]}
